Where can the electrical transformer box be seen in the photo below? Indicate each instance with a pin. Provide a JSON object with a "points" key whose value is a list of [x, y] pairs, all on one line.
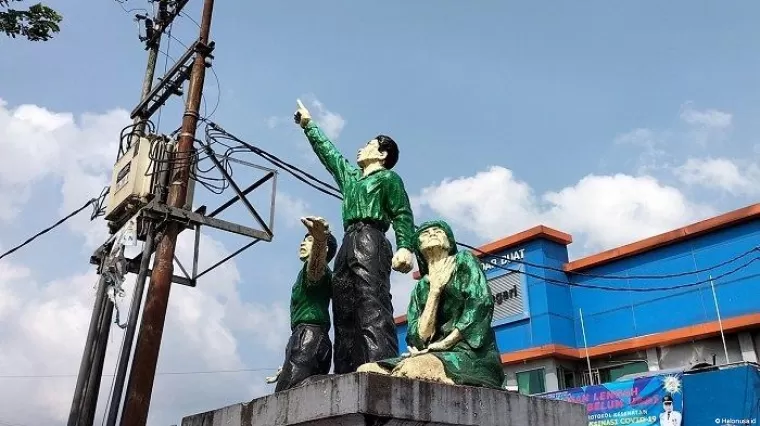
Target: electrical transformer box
{"points": [[132, 182]]}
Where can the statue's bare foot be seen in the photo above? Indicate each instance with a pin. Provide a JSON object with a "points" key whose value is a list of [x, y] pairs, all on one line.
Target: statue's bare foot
{"points": [[273, 379], [372, 367], [423, 367]]}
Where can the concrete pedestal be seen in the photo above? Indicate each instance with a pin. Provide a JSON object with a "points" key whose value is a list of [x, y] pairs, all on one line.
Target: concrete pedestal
{"points": [[363, 399]]}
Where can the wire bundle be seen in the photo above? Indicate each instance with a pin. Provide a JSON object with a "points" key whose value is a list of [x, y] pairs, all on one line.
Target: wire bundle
{"points": [[214, 132]]}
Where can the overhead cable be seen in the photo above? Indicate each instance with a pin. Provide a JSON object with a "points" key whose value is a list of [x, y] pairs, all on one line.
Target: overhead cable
{"points": [[615, 277], [328, 189], [50, 228]]}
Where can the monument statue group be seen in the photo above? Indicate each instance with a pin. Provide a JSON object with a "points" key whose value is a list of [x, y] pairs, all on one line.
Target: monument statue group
{"points": [[450, 371], [449, 337]]}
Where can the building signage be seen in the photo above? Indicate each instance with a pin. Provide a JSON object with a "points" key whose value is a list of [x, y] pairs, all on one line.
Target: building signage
{"points": [[502, 260], [507, 287], [509, 300]]}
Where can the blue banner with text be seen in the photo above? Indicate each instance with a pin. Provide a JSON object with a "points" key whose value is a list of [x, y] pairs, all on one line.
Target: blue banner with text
{"points": [[655, 400]]}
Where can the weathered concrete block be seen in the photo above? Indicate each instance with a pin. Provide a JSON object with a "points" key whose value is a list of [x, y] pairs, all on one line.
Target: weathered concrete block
{"points": [[363, 399]]}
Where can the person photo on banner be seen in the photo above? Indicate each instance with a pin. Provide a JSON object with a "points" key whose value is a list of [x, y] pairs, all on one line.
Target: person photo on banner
{"points": [[670, 417]]}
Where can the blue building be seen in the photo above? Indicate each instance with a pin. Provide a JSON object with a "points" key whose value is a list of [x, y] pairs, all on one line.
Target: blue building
{"points": [[656, 304]]}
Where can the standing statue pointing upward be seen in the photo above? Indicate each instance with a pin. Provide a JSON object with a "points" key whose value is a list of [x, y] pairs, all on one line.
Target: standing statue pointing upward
{"points": [[373, 199]]}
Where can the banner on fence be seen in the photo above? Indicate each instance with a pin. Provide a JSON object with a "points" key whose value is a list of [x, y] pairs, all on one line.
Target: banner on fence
{"points": [[655, 400]]}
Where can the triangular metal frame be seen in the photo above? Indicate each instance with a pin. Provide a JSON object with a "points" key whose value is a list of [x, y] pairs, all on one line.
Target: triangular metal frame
{"points": [[198, 218]]}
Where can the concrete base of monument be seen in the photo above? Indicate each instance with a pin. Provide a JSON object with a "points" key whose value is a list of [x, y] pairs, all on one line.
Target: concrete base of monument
{"points": [[371, 399]]}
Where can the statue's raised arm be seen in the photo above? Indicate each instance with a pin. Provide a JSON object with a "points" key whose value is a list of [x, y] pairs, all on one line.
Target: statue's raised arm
{"points": [[309, 348], [374, 199], [335, 163]]}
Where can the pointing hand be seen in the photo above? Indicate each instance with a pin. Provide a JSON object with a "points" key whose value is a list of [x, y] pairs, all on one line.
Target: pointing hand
{"points": [[302, 115]]}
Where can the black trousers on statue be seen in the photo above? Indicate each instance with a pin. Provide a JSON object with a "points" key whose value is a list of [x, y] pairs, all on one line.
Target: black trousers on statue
{"points": [[362, 308], [307, 354]]}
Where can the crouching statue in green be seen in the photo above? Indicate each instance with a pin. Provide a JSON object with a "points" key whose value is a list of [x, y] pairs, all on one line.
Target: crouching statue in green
{"points": [[449, 333]]}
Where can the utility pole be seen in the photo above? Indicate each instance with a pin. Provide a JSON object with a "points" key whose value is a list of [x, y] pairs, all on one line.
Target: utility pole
{"points": [[101, 306], [153, 45], [88, 379], [143, 369], [134, 308], [87, 388]]}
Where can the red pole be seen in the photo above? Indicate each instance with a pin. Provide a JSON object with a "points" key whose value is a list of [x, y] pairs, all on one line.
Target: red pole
{"points": [[143, 368]]}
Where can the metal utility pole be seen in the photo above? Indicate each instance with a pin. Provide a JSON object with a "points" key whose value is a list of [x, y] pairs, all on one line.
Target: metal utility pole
{"points": [[93, 383], [150, 72], [101, 306], [143, 369], [87, 388], [136, 304]]}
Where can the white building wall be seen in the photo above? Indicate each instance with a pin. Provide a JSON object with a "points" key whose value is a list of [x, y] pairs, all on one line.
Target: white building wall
{"points": [[550, 372], [756, 340], [700, 351], [747, 347]]}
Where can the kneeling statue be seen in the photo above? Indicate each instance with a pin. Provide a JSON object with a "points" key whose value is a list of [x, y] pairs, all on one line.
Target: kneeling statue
{"points": [[449, 334]]}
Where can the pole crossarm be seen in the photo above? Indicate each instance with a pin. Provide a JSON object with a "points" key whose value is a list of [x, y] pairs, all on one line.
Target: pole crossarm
{"points": [[172, 82], [162, 211]]}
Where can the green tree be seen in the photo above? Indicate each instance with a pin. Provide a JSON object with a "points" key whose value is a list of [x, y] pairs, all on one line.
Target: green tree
{"points": [[38, 23]]}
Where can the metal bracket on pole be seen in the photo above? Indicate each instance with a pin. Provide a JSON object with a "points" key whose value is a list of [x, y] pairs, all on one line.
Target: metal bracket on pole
{"points": [[160, 211], [197, 219], [171, 83], [156, 211]]}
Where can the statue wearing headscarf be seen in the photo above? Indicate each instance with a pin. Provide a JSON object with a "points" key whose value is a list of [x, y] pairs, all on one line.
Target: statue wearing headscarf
{"points": [[449, 334]]}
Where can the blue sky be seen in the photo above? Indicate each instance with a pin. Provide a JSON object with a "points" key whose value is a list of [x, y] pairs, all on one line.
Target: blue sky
{"points": [[608, 120]]}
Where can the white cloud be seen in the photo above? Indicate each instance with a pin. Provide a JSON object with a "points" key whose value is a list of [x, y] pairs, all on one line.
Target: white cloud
{"points": [[662, 149], [291, 209], [331, 122], [652, 154], [600, 211], [709, 118], [608, 211], [43, 324], [641, 137], [39, 144], [721, 174], [705, 126]]}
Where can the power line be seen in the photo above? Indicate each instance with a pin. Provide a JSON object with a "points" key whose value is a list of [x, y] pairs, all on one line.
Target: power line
{"points": [[128, 11], [633, 289], [213, 71], [214, 132], [304, 176], [50, 228], [616, 277]]}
